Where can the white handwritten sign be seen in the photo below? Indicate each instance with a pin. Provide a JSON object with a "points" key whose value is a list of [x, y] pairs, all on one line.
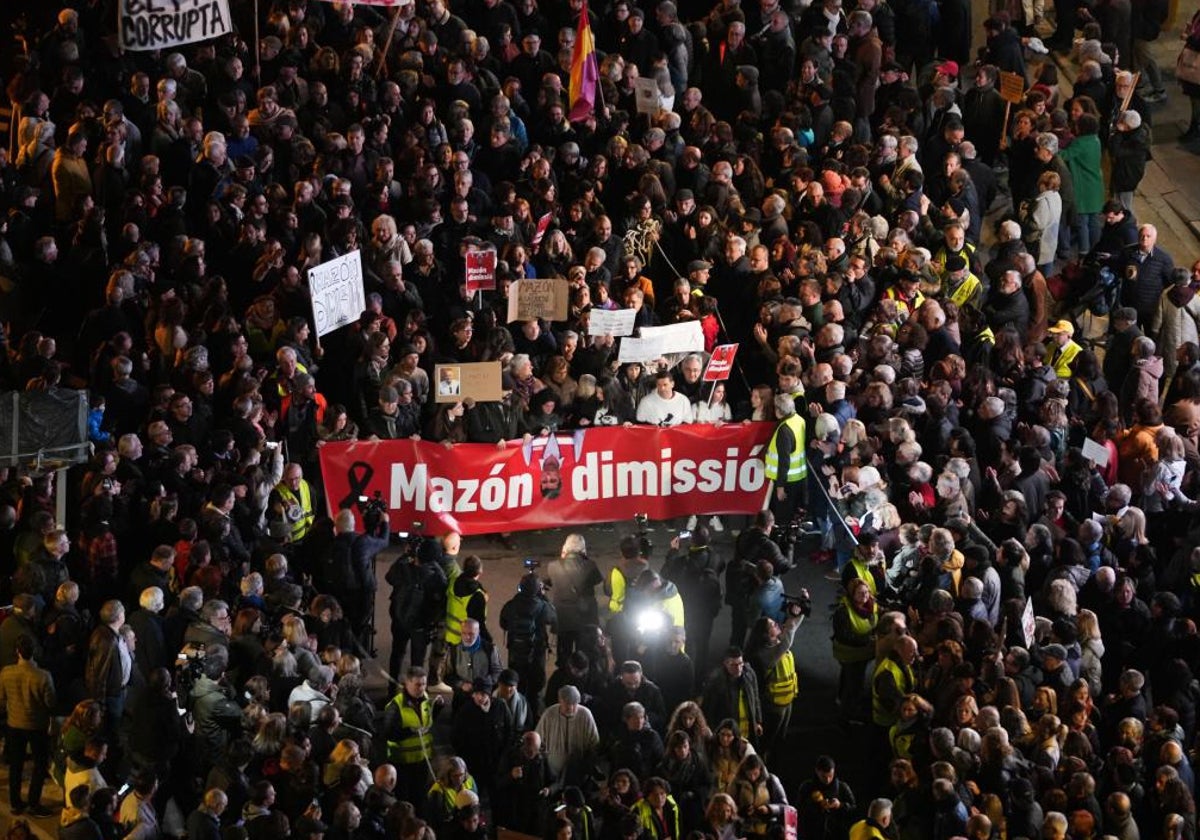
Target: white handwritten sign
{"points": [[616, 322], [160, 24], [640, 349], [337, 292], [684, 337]]}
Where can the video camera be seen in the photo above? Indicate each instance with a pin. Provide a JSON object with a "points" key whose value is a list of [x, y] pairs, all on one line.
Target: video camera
{"points": [[373, 506], [799, 604], [189, 667]]}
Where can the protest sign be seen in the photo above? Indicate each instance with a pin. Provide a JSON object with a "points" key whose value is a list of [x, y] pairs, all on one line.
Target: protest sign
{"points": [[616, 322], [161, 24], [649, 101], [607, 474], [543, 225], [721, 363], [1012, 87], [337, 292], [480, 382], [481, 271], [640, 349], [529, 299], [684, 337], [1095, 452]]}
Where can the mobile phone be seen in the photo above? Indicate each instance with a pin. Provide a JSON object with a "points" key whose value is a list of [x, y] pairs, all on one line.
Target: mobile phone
{"points": [[685, 535], [124, 789]]}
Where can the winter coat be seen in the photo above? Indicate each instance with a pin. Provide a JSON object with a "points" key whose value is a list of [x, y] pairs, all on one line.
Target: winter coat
{"points": [[1177, 320], [1141, 383], [1130, 151], [1083, 159], [1042, 217]]}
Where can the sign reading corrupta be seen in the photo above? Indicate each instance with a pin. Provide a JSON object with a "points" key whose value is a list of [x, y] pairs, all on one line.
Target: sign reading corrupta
{"points": [[160, 24]]}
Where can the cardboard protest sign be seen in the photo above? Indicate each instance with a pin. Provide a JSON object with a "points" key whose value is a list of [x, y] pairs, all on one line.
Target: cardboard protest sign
{"points": [[684, 337], [721, 363], [616, 322], [649, 101], [1012, 87], [529, 299], [161, 24], [480, 382], [481, 271], [337, 292]]}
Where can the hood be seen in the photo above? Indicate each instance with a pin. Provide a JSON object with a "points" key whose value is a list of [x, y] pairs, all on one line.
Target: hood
{"points": [[1181, 296], [1152, 366], [1095, 646], [464, 586]]}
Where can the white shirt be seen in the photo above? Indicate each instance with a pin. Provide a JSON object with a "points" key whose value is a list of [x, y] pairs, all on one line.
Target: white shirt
{"points": [[656, 411]]}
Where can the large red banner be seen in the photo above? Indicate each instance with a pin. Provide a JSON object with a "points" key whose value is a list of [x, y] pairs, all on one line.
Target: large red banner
{"points": [[571, 478]]}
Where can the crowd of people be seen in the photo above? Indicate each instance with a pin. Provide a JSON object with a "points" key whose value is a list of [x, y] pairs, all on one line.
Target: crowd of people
{"points": [[984, 375]]}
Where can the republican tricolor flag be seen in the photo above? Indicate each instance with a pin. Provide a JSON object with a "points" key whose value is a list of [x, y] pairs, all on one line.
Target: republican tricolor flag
{"points": [[585, 73]]}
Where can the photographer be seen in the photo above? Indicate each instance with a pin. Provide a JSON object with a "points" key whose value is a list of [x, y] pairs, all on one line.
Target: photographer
{"points": [[367, 546], [526, 621], [769, 651], [417, 602], [696, 572], [753, 545], [573, 579], [218, 717]]}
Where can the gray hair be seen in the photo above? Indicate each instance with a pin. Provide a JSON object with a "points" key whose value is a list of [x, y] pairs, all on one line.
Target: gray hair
{"points": [[785, 406], [1048, 141], [151, 599], [574, 544]]}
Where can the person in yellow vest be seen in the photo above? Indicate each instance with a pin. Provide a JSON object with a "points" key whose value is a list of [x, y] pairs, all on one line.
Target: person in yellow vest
{"points": [[854, 624], [628, 569], [732, 692], [877, 824], [864, 561], [1061, 350], [787, 463], [441, 801], [657, 812], [466, 598], [769, 650], [408, 727], [293, 498], [959, 285], [894, 678]]}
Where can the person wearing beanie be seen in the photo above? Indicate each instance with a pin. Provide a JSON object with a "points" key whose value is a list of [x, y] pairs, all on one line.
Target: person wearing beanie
{"points": [[1129, 148]]}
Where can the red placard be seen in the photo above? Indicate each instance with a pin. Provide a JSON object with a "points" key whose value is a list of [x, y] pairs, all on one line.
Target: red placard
{"points": [[791, 823], [543, 225], [481, 271], [721, 363], [597, 475]]}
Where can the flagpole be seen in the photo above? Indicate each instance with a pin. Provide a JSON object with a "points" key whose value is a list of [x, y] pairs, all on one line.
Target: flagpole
{"points": [[257, 48]]}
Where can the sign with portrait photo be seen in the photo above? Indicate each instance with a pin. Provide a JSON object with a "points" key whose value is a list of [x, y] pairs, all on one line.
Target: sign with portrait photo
{"points": [[479, 381]]}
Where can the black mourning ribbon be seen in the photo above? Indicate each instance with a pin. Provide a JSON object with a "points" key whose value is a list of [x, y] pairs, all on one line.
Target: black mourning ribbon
{"points": [[359, 478]]}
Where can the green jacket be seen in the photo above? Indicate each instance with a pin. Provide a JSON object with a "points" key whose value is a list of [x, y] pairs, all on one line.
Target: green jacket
{"points": [[1083, 159]]}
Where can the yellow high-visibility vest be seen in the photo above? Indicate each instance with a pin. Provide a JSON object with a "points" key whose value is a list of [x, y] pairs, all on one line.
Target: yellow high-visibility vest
{"points": [[797, 463], [783, 685], [905, 680], [417, 747], [300, 509], [456, 614]]}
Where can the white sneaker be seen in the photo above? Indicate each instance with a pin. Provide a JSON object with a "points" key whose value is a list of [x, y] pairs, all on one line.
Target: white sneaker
{"points": [[691, 523], [714, 524]]}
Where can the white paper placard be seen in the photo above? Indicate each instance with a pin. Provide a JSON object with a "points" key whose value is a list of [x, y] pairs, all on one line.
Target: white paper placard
{"points": [[337, 292], [616, 322]]}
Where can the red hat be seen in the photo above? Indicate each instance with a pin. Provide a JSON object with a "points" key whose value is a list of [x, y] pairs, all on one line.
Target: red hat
{"points": [[948, 68]]}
